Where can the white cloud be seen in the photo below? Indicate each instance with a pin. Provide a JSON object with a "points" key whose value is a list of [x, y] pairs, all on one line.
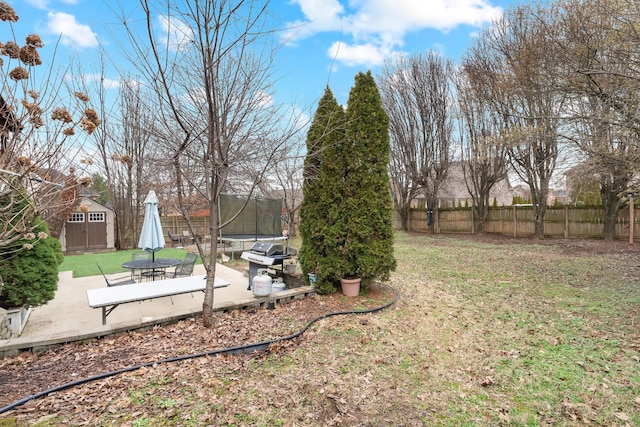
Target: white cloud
{"points": [[378, 27], [321, 13], [175, 33], [71, 32], [105, 82], [39, 4], [264, 99], [361, 54], [320, 16]]}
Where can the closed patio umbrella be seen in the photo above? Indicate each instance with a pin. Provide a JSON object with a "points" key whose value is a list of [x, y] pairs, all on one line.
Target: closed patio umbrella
{"points": [[151, 236]]}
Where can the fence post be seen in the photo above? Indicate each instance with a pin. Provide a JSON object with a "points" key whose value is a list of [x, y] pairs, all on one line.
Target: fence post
{"points": [[473, 223], [631, 219], [515, 222], [566, 221]]}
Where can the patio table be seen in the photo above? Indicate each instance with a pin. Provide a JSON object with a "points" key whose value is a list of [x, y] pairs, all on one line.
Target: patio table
{"points": [[156, 267]]}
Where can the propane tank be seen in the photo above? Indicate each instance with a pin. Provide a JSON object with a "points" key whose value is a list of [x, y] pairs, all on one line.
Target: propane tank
{"points": [[261, 283], [278, 285]]}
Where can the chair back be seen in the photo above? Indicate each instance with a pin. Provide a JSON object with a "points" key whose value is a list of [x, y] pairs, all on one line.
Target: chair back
{"points": [[140, 255], [103, 275], [115, 282], [187, 266], [102, 272]]}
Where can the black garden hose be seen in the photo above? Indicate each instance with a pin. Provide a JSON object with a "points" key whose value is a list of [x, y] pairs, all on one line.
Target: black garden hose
{"points": [[242, 349]]}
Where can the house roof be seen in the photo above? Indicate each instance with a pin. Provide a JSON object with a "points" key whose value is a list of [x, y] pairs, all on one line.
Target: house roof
{"points": [[83, 199]]}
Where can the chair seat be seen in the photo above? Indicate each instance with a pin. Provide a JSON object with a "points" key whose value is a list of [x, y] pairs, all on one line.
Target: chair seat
{"points": [[153, 274]]}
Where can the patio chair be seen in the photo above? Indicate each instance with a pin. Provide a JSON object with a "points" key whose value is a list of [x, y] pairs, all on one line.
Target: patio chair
{"points": [[187, 237], [140, 272], [175, 239], [186, 268], [116, 281]]}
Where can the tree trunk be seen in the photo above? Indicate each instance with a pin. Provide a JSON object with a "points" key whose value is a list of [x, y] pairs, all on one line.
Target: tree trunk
{"points": [[609, 230], [404, 217], [611, 204], [540, 210], [480, 213], [210, 266]]}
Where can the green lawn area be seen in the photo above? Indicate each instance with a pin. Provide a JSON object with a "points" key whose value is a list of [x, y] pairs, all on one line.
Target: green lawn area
{"points": [[85, 264], [488, 331]]}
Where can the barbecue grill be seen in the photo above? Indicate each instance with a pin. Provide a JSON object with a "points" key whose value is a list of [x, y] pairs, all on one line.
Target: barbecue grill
{"points": [[263, 254]]}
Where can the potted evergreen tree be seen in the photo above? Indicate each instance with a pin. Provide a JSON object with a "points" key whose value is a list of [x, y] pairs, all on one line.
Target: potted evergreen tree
{"points": [[367, 209], [320, 208], [346, 215]]}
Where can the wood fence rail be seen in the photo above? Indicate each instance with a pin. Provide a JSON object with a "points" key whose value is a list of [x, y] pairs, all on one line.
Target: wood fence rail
{"points": [[518, 221]]}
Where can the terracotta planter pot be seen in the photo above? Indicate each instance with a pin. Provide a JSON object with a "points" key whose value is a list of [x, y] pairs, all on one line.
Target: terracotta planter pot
{"points": [[350, 287]]}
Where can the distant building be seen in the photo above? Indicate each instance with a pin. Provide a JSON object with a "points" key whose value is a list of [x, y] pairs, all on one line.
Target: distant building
{"points": [[453, 192]]}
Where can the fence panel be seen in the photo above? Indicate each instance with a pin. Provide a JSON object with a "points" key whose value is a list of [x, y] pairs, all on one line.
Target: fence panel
{"points": [[455, 220], [563, 221]]}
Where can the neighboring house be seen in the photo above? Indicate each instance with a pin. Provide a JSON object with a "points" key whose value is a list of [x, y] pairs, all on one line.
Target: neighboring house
{"points": [[522, 191], [453, 191], [91, 227]]}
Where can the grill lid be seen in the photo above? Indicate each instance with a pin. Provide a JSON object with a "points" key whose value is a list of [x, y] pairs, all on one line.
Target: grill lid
{"points": [[266, 248]]}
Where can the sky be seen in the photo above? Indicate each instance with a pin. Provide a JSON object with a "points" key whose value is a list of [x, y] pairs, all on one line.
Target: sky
{"points": [[330, 41]]}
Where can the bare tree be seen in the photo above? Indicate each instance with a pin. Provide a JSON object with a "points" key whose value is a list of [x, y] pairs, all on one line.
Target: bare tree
{"points": [[37, 140], [288, 173], [483, 156], [612, 155], [598, 47], [404, 187], [212, 74], [416, 94], [523, 77], [123, 151]]}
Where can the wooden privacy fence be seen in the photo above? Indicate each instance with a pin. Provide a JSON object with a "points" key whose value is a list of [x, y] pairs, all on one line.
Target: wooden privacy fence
{"points": [[177, 224], [518, 221]]}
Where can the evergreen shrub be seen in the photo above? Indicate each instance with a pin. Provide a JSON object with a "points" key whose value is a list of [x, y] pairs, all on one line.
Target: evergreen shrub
{"points": [[30, 276]]}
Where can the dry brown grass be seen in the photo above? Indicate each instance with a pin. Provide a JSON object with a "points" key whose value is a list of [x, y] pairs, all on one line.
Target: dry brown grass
{"points": [[487, 332]]}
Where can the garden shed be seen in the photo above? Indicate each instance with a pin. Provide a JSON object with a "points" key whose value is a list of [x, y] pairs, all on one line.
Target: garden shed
{"points": [[91, 227]]}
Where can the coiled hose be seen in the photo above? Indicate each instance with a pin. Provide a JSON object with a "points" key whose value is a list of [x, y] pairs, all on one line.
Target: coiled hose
{"points": [[242, 349]]}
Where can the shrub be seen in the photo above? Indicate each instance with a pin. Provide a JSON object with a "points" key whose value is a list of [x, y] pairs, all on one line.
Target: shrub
{"points": [[367, 208], [321, 188], [346, 214], [31, 276]]}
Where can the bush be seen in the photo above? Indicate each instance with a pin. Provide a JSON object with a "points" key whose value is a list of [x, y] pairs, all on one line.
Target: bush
{"points": [[346, 213], [31, 276]]}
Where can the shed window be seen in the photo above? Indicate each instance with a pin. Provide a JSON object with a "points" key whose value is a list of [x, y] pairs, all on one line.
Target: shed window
{"points": [[96, 216], [77, 217]]}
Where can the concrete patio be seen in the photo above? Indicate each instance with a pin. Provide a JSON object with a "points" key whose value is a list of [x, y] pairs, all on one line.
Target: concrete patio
{"points": [[68, 317]]}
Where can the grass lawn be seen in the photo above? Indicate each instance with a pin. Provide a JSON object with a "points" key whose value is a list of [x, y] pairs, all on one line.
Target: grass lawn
{"points": [[487, 332], [85, 264]]}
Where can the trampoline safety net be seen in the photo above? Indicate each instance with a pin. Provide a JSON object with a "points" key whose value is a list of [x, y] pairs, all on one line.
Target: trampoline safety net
{"points": [[260, 217]]}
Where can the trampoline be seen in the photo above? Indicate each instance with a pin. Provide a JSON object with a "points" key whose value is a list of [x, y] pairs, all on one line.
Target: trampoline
{"points": [[259, 220]]}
